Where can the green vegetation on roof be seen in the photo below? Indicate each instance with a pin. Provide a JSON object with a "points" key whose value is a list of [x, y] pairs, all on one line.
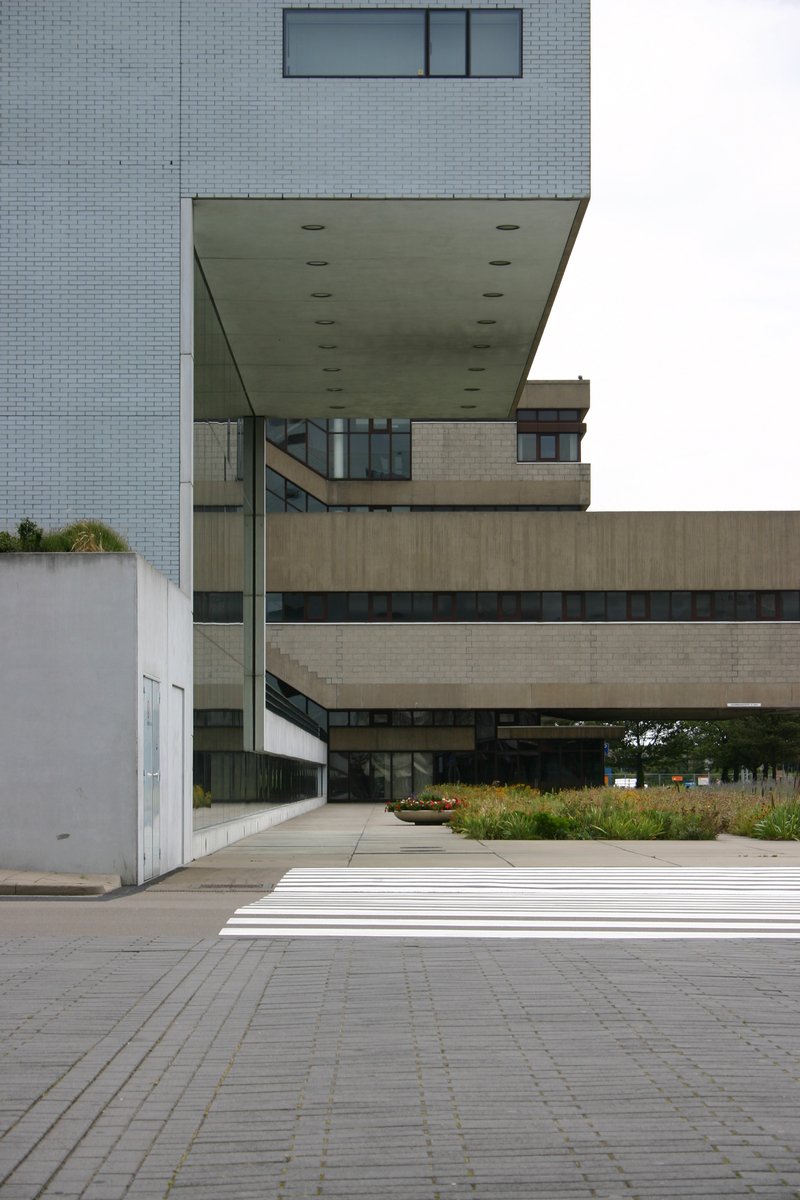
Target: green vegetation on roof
{"points": [[82, 537]]}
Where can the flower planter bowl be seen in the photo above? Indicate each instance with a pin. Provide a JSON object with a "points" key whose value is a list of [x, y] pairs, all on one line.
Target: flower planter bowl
{"points": [[422, 816]]}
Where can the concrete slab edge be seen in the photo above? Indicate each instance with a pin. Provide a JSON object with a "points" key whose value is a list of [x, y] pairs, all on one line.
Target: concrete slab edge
{"points": [[36, 886], [217, 837]]}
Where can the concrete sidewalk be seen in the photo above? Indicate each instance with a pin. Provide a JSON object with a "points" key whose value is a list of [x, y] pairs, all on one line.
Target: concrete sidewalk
{"points": [[146, 1058], [49, 883], [364, 835], [198, 899]]}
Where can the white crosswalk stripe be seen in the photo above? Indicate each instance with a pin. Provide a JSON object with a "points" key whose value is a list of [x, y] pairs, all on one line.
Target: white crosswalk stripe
{"points": [[560, 902]]}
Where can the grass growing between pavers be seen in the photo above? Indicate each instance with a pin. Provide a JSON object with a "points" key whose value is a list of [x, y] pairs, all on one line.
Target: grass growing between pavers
{"points": [[522, 813]]}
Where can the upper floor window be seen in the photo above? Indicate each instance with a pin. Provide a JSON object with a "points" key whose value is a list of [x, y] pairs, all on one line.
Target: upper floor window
{"points": [[346, 447], [404, 42], [549, 435]]}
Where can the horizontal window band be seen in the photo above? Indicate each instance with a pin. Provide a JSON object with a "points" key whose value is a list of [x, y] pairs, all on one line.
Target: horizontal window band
{"points": [[563, 606]]}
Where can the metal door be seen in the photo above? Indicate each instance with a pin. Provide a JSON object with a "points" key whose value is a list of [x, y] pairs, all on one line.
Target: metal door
{"points": [[176, 764], [151, 768]]}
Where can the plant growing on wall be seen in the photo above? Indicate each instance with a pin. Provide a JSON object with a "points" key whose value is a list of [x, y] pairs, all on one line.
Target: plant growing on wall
{"points": [[82, 537]]}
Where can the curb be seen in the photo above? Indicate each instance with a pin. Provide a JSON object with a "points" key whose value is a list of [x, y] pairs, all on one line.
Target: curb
{"points": [[42, 886]]}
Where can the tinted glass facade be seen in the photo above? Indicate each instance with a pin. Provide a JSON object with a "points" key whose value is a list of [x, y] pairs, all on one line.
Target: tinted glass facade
{"points": [[347, 448], [534, 606]]}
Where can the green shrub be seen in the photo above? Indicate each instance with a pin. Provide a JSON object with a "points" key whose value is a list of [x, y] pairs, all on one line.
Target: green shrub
{"points": [[622, 821], [495, 813], [781, 824], [200, 797], [84, 537], [81, 537], [29, 534], [743, 822], [478, 825]]}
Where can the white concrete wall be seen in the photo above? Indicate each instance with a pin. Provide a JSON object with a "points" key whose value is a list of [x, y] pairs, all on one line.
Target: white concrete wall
{"points": [[288, 740], [79, 632], [217, 837], [164, 642]]}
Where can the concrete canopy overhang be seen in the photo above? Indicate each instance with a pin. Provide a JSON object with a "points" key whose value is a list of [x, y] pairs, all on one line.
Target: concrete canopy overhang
{"points": [[406, 301]]}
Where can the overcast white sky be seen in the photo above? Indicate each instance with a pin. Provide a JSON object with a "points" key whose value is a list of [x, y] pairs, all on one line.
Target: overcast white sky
{"points": [[681, 301]]}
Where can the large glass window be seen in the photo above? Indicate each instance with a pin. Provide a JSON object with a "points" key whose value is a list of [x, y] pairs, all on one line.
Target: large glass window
{"points": [[447, 42], [402, 775], [253, 779], [549, 435], [495, 43], [218, 607], [301, 710], [342, 448], [284, 496], [510, 606], [407, 43], [338, 42]]}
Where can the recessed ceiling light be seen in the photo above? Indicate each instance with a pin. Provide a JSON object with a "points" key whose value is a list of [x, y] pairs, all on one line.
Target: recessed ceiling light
{"points": [[493, 295], [316, 262], [469, 406], [486, 321], [481, 346], [312, 226], [334, 389], [327, 346], [476, 368], [322, 295], [331, 370], [500, 262], [324, 322], [507, 226], [336, 406], [472, 389]]}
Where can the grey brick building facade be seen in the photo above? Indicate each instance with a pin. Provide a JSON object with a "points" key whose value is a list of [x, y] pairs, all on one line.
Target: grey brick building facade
{"points": [[113, 113], [195, 232]]}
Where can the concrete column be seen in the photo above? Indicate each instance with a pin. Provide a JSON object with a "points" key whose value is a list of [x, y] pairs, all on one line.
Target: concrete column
{"points": [[186, 417], [338, 427], [254, 583]]}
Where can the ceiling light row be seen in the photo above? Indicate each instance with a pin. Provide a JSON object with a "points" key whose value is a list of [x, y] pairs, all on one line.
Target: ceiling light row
{"points": [[315, 227], [499, 262]]}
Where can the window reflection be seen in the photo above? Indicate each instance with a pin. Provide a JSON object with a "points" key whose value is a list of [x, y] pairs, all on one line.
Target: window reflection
{"points": [[447, 43], [340, 43], [352, 43], [508, 606], [345, 448]]}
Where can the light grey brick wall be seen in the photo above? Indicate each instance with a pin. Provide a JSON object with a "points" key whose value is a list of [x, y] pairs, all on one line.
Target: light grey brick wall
{"points": [[112, 112], [249, 131], [90, 179], [613, 665], [485, 450]]}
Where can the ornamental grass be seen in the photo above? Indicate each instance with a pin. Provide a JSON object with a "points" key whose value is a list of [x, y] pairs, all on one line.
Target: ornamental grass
{"points": [[493, 812]]}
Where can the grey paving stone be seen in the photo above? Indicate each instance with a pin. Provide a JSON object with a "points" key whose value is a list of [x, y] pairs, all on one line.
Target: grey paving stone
{"points": [[652, 1070]]}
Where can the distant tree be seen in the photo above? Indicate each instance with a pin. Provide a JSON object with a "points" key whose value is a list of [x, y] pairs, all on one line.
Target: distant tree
{"points": [[648, 744], [758, 741], [765, 740]]}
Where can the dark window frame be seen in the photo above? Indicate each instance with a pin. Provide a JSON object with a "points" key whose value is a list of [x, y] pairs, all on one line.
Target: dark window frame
{"points": [[427, 42], [533, 607], [397, 430], [218, 607], [556, 434]]}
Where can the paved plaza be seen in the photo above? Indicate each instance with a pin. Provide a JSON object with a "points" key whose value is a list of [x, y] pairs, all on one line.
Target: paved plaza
{"points": [[145, 1055]]}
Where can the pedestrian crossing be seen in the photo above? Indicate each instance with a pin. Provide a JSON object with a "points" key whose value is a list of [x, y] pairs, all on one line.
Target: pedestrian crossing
{"points": [[561, 902]]}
